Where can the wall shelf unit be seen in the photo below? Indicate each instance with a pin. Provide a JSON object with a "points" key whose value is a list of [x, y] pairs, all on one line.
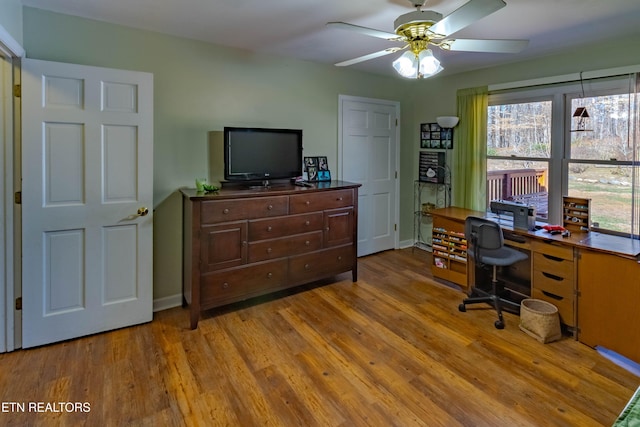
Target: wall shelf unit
{"points": [[429, 196]]}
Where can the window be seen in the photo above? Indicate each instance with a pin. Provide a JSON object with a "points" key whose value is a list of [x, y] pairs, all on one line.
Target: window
{"points": [[537, 151], [518, 153], [600, 161]]}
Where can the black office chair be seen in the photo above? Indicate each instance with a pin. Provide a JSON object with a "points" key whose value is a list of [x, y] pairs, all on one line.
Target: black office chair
{"points": [[486, 244]]}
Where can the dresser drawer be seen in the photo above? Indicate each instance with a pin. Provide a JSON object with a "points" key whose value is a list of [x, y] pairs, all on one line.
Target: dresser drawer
{"points": [[551, 264], [233, 284], [260, 229], [310, 202], [320, 264], [553, 249], [549, 282], [212, 211], [566, 305], [285, 246]]}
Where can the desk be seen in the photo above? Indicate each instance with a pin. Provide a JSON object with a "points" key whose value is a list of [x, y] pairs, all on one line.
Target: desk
{"points": [[593, 278]]}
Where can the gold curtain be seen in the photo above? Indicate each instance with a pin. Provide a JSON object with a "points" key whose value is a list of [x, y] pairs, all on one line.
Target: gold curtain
{"points": [[470, 165]]}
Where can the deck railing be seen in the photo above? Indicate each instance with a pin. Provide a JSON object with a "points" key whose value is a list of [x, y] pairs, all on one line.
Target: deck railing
{"points": [[518, 185]]}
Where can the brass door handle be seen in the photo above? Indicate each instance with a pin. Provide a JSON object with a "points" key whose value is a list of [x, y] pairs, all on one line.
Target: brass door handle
{"points": [[143, 211]]}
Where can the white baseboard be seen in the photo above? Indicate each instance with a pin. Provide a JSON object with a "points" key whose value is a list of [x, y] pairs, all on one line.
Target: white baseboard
{"points": [[166, 303], [406, 244]]}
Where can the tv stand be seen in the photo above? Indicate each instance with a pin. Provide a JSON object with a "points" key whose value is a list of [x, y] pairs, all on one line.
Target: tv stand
{"points": [[240, 244]]}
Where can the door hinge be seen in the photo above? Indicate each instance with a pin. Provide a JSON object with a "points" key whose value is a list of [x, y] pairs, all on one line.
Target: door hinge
{"points": [[17, 197], [395, 227], [19, 303], [17, 91], [396, 122], [396, 174]]}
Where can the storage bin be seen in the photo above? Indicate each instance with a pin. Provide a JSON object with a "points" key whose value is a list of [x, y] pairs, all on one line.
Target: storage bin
{"points": [[540, 320]]}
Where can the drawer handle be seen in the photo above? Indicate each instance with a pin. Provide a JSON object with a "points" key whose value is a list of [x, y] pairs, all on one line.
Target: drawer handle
{"points": [[269, 250], [270, 207], [552, 258], [269, 228], [307, 266], [225, 211], [553, 277], [269, 275], [307, 203], [339, 257], [307, 243], [225, 285], [339, 199], [244, 243], [307, 222], [553, 296]]}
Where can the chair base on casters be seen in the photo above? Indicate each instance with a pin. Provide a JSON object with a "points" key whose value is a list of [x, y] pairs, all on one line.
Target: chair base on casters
{"points": [[492, 298]]}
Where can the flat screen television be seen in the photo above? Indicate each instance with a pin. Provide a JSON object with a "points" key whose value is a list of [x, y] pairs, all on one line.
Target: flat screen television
{"points": [[260, 154]]}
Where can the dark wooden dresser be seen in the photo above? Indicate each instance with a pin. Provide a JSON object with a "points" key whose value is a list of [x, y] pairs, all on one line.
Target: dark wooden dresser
{"points": [[240, 243]]}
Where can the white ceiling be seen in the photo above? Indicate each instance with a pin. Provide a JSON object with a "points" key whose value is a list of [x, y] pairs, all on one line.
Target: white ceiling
{"points": [[296, 28]]}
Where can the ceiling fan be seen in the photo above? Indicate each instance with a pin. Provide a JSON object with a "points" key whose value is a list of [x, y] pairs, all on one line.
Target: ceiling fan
{"points": [[421, 29]]}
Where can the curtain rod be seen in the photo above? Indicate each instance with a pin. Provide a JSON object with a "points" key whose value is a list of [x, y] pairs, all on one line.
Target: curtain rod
{"points": [[609, 72]]}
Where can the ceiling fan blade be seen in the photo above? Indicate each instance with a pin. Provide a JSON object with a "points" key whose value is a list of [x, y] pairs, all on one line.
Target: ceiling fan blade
{"points": [[370, 56], [497, 46], [364, 30], [466, 15]]}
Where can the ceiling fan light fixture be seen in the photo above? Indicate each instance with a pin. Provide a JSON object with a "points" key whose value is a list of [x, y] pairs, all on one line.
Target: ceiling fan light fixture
{"points": [[422, 65], [406, 65], [429, 64]]}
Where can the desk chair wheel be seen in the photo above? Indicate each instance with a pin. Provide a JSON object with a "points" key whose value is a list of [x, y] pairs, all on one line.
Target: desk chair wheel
{"points": [[462, 308], [499, 324]]}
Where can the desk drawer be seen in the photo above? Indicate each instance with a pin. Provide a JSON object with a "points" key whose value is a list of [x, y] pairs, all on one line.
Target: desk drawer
{"points": [[551, 264], [565, 305], [553, 249], [557, 285]]}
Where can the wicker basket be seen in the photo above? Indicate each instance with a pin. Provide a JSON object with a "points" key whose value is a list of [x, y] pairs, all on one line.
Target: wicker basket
{"points": [[540, 320]]}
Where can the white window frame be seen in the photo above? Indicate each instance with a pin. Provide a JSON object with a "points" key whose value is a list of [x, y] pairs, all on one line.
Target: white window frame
{"points": [[560, 95]]}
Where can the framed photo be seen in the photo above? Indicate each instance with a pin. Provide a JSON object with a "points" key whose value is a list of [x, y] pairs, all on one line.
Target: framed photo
{"points": [[317, 169], [324, 175], [432, 136], [322, 163]]}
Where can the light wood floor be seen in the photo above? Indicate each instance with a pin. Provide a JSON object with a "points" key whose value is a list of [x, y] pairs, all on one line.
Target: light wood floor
{"points": [[390, 350]]}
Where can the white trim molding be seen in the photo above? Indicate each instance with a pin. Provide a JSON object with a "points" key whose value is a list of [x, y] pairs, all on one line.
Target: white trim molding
{"points": [[10, 45], [565, 78], [166, 303]]}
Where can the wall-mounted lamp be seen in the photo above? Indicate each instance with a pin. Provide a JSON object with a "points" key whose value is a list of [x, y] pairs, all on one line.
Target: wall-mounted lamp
{"points": [[447, 122]]}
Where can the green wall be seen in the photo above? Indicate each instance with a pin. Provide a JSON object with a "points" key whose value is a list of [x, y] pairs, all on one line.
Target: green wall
{"points": [[201, 87], [11, 18]]}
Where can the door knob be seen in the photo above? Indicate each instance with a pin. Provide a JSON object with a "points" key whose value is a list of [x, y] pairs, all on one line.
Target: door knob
{"points": [[143, 211]]}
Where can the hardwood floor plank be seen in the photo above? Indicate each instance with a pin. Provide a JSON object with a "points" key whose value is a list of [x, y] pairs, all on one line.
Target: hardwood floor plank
{"points": [[389, 350]]}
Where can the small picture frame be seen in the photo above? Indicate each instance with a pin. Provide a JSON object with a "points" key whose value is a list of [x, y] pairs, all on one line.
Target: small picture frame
{"points": [[317, 169], [323, 165], [324, 175], [432, 136]]}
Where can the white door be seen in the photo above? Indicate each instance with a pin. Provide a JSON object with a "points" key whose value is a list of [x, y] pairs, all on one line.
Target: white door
{"points": [[87, 178], [368, 155]]}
